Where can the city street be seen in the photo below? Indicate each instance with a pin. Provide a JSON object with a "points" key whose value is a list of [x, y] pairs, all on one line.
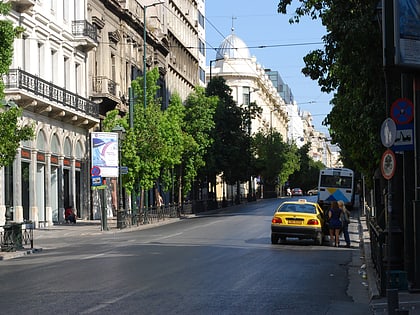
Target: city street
{"points": [[217, 263]]}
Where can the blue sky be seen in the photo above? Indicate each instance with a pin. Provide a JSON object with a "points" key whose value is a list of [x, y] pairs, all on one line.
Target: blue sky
{"points": [[257, 23]]}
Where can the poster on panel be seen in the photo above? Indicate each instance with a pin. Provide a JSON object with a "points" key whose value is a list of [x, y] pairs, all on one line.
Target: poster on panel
{"points": [[104, 148], [407, 32]]}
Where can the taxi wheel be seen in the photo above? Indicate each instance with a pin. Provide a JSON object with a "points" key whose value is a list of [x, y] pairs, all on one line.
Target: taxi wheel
{"points": [[274, 239]]}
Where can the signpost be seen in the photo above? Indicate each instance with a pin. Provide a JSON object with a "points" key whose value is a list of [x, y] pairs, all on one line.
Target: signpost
{"points": [[402, 112], [388, 164], [96, 182]]}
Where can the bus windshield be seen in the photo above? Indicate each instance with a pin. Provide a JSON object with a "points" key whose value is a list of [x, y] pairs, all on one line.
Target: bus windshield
{"points": [[336, 181], [336, 184]]}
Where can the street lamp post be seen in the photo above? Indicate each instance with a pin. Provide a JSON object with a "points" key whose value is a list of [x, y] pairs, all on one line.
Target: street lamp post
{"points": [[120, 213], [145, 73], [144, 51]]}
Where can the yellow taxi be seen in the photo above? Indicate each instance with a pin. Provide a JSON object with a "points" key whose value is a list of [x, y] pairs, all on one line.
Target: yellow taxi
{"points": [[298, 219]]}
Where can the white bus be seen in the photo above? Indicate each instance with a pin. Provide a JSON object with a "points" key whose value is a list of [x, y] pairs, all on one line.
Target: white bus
{"points": [[336, 184]]}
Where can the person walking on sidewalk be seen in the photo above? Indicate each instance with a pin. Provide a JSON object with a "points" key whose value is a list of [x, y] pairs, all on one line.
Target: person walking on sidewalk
{"points": [[334, 224], [345, 220]]}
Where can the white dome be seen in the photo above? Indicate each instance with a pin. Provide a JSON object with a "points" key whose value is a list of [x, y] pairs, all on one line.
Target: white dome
{"points": [[234, 48]]}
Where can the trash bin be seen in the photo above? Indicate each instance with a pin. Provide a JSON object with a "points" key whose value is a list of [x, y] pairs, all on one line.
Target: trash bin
{"points": [[12, 239]]}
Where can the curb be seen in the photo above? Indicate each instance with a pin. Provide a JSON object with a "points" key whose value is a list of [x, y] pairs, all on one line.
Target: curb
{"points": [[19, 253], [367, 256]]}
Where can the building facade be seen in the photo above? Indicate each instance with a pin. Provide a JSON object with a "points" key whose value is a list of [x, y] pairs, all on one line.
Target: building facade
{"points": [[74, 62], [249, 83], [47, 79]]}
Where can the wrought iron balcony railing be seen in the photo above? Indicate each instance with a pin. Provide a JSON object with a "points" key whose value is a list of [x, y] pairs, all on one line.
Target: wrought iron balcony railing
{"points": [[84, 28], [102, 84], [20, 79]]}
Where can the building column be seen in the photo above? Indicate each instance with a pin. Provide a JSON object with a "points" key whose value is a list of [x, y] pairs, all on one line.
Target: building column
{"points": [[17, 187], [2, 201], [33, 208], [47, 191], [61, 189], [73, 185]]}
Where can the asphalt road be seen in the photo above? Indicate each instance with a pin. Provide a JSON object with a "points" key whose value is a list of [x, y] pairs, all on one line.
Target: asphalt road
{"points": [[220, 263]]}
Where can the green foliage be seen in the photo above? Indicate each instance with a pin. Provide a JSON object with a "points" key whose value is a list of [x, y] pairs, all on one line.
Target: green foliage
{"points": [[230, 152], [306, 177], [198, 126], [276, 160], [12, 132], [350, 65]]}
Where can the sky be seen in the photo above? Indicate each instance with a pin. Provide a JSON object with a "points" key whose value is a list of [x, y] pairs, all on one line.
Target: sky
{"points": [[257, 23]]}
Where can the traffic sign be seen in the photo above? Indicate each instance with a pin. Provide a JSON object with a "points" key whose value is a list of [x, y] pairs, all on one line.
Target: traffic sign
{"points": [[388, 132], [96, 180], [123, 170], [402, 111], [388, 164], [95, 171], [404, 140]]}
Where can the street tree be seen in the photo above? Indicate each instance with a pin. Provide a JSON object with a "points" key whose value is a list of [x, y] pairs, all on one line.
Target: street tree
{"points": [[198, 126], [306, 177], [230, 153], [275, 159], [350, 66], [12, 130]]}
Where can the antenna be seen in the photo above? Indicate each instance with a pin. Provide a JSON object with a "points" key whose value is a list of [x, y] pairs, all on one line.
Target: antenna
{"points": [[233, 18]]}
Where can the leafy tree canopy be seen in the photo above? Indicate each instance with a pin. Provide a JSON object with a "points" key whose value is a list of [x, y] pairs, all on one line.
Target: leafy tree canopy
{"points": [[354, 73], [12, 131]]}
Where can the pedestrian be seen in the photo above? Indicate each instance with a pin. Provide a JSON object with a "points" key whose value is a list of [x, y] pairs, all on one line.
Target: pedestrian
{"points": [[345, 219], [69, 215], [289, 192], [334, 224]]}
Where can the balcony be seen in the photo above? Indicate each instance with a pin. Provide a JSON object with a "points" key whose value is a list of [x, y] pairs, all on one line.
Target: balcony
{"points": [[22, 6], [35, 94], [104, 87], [86, 35]]}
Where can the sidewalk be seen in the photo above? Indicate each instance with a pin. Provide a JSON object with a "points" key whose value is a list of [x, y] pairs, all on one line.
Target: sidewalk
{"points": [[82, 227]]}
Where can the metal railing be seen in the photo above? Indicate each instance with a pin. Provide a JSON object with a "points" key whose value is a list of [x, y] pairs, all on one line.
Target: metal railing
{"points": [[14, 235], [102, 84], [377, 246], [17, 78], [84, 28]]}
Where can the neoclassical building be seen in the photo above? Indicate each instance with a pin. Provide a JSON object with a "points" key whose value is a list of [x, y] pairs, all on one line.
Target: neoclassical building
{"points": [[74, 62], [249, 83]]}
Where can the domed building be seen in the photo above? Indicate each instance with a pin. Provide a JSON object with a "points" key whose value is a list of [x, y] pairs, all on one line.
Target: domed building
{"points": [[249, 83]]}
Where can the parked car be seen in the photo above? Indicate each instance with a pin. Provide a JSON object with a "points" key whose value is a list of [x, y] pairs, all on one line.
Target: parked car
{"points": [[298, 219], [312, 192], [297, 192]]}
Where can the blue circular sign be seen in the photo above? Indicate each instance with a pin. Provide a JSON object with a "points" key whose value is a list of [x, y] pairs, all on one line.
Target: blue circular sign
{"points": [[95, 171], [402, 111]]}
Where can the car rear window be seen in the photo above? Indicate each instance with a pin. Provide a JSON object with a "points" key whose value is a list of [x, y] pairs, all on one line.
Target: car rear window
{"points": [[298, 208]]}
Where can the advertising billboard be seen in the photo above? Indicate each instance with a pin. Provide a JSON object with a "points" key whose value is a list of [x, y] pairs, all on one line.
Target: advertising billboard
{"points": [[104, 148], [407, 32]]}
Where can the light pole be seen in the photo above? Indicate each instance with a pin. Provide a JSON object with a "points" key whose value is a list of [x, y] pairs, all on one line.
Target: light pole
{"points": [[144, 50], [145, 72], [121, 134]]}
